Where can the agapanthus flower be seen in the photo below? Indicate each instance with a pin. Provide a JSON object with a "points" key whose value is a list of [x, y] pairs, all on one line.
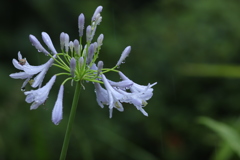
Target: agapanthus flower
{"points": [[40, 95], [79, 63]]}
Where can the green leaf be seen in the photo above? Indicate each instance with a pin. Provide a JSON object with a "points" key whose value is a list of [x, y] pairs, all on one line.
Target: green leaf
{"points": [[227, 133]]}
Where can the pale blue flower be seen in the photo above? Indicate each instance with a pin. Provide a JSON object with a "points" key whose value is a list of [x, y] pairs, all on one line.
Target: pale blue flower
{"points": [[29, 71], [145, 92], [40, 95], [114, 97], [102, 95]]}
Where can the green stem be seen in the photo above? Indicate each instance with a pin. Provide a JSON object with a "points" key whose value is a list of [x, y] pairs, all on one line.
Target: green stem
{"points": [[70, 121]]}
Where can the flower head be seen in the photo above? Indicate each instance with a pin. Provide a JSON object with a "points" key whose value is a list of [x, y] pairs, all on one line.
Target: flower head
{"points": [[78, 63]]}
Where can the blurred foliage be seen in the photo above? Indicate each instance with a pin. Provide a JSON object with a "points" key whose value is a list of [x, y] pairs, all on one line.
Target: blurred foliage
{"points": [[165, 35], [230, 137]]}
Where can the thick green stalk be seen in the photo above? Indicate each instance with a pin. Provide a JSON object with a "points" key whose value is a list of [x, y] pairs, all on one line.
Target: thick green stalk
{"points": [[70, 121]]}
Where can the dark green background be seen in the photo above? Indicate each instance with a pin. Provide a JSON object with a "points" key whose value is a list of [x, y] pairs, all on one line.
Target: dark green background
{"points": [[164, 35]]}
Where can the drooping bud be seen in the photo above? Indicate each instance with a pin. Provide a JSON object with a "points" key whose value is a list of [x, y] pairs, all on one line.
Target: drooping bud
{"points": [[97, 11], [89, 33], [124, 54], [62, 40], [37, 44], [100, 40], [47, 40], [100, 67], [57, 112], [90, 53], [72, 66], [76, 46], [81, 20]]}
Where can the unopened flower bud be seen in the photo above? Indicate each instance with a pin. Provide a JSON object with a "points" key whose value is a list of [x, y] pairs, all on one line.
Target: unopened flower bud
{"points": [[100, 40], [89, 33], [57, 113], [81, 20], [47, 40], [90, 53], [37, 44], [124, 54], [100, 67], [81, 61], [72, 66], [97, 11], [66, 42], [62, 40], [71, 46], [76, 46], [95, 46]]}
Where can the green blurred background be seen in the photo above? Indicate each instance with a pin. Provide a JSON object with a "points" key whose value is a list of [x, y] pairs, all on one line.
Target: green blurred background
{"points": [[191, 48]]}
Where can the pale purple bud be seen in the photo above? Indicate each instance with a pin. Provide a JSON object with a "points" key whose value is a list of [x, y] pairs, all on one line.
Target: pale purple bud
{"points": [[97, 11], [81, 20], [62, 40], [124, 54], [76, 46], [71, 46], [89, 33], [100, 40], [72, 66], [90, 53], [95, 46], [57, 112], [37, 44], [47, 40], [100, 67], [81, 61], [66, 43]]}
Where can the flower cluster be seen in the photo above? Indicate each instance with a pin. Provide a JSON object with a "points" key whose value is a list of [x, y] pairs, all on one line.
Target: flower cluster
{"points": [[79, 64]]}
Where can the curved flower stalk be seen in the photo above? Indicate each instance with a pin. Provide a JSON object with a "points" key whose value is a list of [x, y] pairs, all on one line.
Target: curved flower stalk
{"points": [[78, 62]]}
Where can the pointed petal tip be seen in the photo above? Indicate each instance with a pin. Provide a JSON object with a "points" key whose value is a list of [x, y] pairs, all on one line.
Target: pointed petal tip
{"points": [[56, 122]]}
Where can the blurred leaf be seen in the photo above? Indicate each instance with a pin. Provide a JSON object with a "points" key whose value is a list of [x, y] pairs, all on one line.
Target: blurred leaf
{"points": [[209, 70], [227, 133], [224, 152]]}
